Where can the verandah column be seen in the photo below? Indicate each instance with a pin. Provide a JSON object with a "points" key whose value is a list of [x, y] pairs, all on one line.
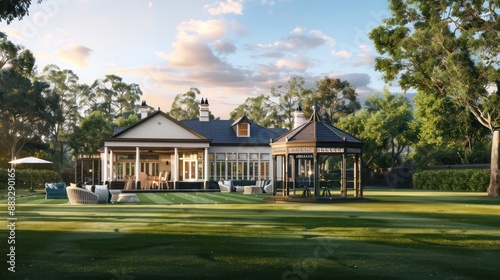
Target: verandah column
{"points": [[175, 166], [137, 166], [343, 187], [105, 166], [205, 163], [110, 168]]}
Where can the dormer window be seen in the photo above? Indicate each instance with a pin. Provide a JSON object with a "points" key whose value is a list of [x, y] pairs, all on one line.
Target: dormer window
{"points": [[242, 127], [243, 130]]}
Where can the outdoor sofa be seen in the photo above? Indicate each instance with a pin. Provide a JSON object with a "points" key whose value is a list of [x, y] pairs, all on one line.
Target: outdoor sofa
{"points": [[88, 194], [55, 190], [238, 185]]}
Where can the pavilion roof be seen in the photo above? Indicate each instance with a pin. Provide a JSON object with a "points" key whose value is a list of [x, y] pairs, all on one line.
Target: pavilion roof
{"points": [[319, 131]]}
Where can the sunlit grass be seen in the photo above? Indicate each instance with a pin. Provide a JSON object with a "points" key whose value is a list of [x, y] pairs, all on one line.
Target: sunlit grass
{"points": [[393, 234]]}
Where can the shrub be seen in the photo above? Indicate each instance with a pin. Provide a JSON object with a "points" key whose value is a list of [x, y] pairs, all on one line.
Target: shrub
{"points": [[23, 178], [475, 180]]}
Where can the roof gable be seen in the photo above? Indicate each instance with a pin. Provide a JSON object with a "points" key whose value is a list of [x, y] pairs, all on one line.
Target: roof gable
{"points": [[158, 126]]}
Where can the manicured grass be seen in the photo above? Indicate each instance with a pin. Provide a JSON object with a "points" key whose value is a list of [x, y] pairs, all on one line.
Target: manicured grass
{"points": [[401, 234]]}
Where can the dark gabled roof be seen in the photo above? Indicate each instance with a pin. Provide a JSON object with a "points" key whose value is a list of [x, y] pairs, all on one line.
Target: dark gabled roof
{"points": [[222, 133], [316, 130], [243, 119]]}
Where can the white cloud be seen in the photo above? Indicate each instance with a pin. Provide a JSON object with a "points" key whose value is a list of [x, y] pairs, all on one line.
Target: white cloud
{"points": [[342, 53], [225, 7], [364, 59], [365, 48], [75, 55], [295, 65], [299, 39]]}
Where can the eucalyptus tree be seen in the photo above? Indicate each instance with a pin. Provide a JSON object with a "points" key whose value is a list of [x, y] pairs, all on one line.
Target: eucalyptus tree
{"points": [[448, 48], [260, 110], [27, 108], [449, 133], [14, 9], [386, 126], [71, 94], [336, 98], [289, 98], [113, 97], [186, 106]]}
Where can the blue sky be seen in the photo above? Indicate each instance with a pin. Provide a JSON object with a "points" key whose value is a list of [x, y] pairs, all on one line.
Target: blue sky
{"points": [[230, 50]]}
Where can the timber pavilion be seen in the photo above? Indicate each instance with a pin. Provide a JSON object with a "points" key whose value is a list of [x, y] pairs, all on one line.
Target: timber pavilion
{"points": [[300, 154]]}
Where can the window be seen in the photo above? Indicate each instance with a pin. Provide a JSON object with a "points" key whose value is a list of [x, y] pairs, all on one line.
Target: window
{"points": [[243, 130]]}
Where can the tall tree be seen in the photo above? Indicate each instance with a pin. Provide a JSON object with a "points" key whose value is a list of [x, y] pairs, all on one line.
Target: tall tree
{"points": [[185, 105], [259, 110], [88, 136], [289, 96], [113, 97], [26, 108], [450, 48], [386, 126], [14, 9], [335, 97], [71, 94], [449, 133]]}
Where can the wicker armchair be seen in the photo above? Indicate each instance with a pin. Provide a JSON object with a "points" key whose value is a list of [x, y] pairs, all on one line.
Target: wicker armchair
{"points": [[81, 196]]}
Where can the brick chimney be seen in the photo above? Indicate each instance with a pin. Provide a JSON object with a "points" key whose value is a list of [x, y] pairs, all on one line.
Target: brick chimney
{"points": [[298, 117], [204, 112], [144, 110]]}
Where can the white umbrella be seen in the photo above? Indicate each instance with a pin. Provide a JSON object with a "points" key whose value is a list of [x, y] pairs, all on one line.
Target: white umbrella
{"points": [[30, 160]]}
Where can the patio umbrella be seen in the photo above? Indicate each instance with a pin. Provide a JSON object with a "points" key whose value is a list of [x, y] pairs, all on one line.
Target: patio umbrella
{"points": [[30, 160]]}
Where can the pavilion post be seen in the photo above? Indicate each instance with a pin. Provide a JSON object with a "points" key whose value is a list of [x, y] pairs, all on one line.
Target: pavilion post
{"points": [[343, 193]]}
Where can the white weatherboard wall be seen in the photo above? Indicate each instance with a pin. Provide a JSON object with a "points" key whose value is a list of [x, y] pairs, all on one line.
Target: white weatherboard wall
{"points": [[159, 127]]}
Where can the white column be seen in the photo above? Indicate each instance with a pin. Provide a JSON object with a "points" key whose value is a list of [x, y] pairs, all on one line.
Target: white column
{"points": [[175, 166], [344, 176], [105, 165], [137, 165], [205, 163], [271, 168], [111, 162]]}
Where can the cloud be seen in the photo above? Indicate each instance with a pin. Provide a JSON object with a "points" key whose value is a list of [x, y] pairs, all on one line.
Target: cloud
{"points": [[295, 65], [75, 55], [224, 47], [225, 7], [365, 48], [342, 53], [299, 39], [364, 59]]}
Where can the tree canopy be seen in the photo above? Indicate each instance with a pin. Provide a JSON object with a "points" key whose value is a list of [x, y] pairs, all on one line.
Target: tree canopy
{"points": [[448, 48], [14, 9]]}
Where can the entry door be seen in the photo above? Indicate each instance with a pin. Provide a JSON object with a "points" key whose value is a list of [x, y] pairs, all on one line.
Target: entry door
{"points": [[189, 169]]}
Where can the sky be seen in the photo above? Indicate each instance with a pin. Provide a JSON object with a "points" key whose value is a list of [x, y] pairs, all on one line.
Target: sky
{"points": [[230, 49]]}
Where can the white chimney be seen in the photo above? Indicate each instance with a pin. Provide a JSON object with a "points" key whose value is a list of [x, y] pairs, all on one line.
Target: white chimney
{"points": [[144, 110], [298, 117], [204, 112]]}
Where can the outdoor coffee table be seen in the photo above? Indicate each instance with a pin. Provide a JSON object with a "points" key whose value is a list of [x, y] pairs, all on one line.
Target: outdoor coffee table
{"points": [[252, 190], [128, 198], [114, 195]]}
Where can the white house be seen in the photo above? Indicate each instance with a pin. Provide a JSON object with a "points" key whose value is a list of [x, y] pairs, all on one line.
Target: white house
{"points": [[191, 152]]}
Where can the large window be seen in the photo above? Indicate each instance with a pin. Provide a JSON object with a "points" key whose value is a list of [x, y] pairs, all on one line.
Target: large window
{"points": [[239, 166]]}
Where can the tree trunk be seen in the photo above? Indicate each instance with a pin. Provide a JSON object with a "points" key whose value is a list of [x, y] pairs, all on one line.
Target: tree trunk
{"points": [[494, 187]]}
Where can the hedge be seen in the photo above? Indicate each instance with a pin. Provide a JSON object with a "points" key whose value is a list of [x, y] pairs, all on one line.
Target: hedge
{"points": [[476, 180], [23, 178]]}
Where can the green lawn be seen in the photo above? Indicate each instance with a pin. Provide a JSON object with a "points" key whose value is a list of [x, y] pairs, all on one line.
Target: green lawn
{"points": [[401, 234]]}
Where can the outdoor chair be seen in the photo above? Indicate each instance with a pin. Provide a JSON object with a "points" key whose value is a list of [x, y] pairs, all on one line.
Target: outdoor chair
{"points": [[224, 188], [156, 183], [103, 193], [164, 180], [81, 196], [144, 178]]}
